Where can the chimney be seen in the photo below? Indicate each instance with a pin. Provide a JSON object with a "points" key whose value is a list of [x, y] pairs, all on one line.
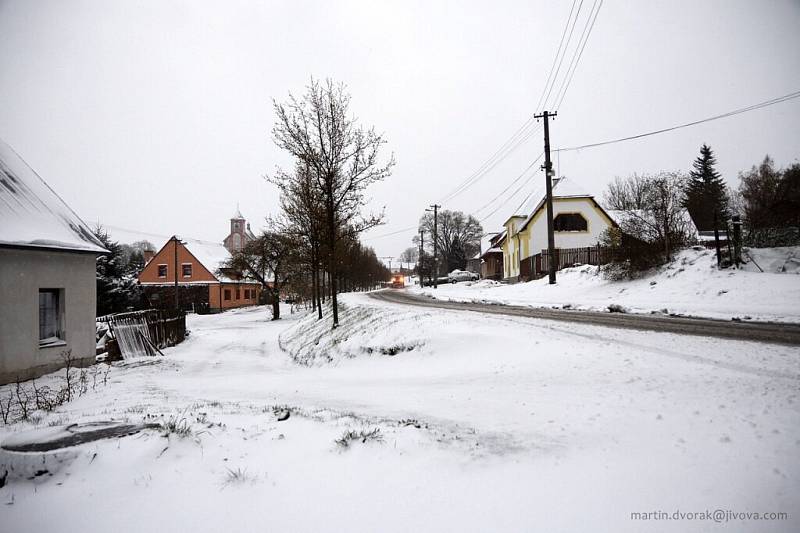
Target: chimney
{"points": [[148, 255]]}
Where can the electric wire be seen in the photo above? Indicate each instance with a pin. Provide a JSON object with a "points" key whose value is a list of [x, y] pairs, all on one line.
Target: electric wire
{"points": [[564, 53], [760, 105], [572, 68]]}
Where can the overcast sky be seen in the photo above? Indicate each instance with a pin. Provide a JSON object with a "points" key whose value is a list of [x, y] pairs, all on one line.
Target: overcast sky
{"points": [[156, 115]]}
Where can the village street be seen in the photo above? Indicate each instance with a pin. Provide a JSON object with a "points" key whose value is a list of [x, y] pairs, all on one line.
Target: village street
{"points": [[484, 423]]}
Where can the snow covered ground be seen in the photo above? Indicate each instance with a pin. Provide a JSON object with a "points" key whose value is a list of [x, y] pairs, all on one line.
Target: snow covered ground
{"points": [[484, 424], [690, 285]]}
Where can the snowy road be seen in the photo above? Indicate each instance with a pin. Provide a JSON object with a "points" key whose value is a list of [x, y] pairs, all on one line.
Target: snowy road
{"points": [[783, 333], [488, 423]]}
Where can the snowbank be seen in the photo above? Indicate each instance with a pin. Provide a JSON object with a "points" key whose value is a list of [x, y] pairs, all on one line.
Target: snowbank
{"points": [[690, 285], [365, 329]]}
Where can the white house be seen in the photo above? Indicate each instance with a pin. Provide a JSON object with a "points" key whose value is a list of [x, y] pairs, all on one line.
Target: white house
{"points": [[47, 276], [578, 222]]}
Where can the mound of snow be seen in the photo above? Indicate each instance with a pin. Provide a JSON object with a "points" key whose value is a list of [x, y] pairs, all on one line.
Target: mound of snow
{"points": [[363, 330]]}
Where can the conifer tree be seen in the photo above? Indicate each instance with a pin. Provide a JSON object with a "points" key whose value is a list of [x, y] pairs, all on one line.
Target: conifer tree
{"points": [[706, 194]]}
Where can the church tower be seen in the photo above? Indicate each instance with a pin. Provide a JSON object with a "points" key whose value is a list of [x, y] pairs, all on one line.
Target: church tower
{"points": [[239, 234]]}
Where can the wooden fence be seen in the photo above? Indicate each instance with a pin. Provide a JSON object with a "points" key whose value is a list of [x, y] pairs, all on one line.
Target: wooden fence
{"points": [[146, 332], [538, 265]]}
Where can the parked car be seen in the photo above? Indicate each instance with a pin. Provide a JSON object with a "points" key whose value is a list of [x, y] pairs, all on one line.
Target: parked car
{"points": [[461, 275]]}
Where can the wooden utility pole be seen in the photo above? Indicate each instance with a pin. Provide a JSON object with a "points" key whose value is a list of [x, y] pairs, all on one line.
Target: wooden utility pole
{"points": [[175, 272], [435, 209], [548, 171], [419, 259]]}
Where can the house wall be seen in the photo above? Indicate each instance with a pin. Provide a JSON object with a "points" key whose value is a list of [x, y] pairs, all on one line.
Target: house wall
{"points": [[597, 222], [511, 248], [216, 295], [22, 273]]}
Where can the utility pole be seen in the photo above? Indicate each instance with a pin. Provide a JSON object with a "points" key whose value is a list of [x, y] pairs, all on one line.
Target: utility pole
{"points": [[435, 244], [390, 262], [175, 272], [548, 171], [419, 259]]}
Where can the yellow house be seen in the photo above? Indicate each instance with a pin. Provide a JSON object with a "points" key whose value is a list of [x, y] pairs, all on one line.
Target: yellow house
{"points": [[578, 222]]}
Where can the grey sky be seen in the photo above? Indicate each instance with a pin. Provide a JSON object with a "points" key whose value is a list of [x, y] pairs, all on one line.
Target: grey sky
{"points": [[156, 115]]}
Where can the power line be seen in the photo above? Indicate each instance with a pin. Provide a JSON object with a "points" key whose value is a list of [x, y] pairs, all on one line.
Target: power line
{"points": [[739, 111], [496, 209], [490, 202], [509, 147], [571, 70], [555, 59], [394, 232], [560, 61]]}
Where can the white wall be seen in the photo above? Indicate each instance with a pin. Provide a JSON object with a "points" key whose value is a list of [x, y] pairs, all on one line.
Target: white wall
{"points": [[22, 273], [597, 223]]}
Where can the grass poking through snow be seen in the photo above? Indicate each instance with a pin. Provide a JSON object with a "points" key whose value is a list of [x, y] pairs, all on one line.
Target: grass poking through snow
{"points": [[350, 436]]}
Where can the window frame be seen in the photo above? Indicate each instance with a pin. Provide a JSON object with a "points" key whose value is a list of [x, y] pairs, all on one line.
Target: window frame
{"points": [[59, 336], [183, 270], [166, 270], [226, 295]]}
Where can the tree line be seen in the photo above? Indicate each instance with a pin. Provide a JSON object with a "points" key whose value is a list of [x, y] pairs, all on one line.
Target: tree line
{"points": [[652, 208]]}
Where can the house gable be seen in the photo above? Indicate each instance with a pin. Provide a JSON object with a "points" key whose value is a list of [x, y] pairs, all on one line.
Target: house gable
{"points": [[597, 221], [166, 257]]}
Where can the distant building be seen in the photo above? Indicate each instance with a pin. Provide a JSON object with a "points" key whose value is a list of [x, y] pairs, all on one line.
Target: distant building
{"points": [[240, 234], [492, 258], [204, 282], [47, 276]]}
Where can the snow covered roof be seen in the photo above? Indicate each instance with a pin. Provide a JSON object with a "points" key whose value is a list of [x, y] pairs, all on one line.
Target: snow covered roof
{"points": [[622, 217], [32, 215], [212, 255]]}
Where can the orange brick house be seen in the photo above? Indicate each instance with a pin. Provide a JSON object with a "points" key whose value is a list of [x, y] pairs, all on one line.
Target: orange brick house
{"points": [[204, 284]]}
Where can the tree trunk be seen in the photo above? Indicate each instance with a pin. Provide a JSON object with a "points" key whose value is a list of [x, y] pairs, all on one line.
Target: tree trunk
{"points": [[332, 271], [276, 307]]}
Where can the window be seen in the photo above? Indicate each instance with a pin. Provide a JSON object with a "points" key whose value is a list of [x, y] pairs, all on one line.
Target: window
{"points": [[570, 222], [237, 293], [247, 294], [227, 294], [162, 271], [50, 316], [187, 270]]}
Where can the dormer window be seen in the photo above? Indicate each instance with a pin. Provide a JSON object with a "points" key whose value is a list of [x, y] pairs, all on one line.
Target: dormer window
{"points": [[570, 222]]}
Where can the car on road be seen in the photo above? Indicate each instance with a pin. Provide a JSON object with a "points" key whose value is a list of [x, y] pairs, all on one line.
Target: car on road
{"points": [[398, 281], [461, 275]]}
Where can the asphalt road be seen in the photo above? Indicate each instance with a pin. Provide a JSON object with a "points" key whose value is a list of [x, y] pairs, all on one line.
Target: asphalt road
{"points": [[771, 332]]}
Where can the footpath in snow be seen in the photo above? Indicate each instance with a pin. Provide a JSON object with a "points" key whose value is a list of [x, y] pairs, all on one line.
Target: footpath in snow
{"points": [[691, 285], [408, 419]]}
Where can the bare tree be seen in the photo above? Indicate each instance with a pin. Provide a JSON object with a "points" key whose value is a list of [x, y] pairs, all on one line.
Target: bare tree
{"points": [[458, 237], [304, 218], [651, 209], [270, 259], [409, 255], [342, 157]]}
